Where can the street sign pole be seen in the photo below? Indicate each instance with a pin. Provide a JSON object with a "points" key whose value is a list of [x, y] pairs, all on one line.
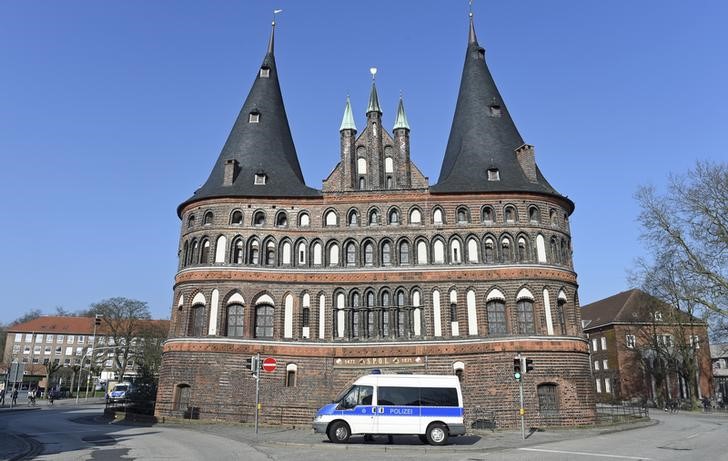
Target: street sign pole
{"points": [[257, 390], [522, 411]]}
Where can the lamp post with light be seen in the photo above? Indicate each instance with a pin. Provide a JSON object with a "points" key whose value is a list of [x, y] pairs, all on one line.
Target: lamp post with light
{"points": [[97, 322]]}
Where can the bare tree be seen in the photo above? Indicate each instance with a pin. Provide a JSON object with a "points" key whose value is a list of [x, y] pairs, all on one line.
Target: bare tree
{"points": [[122, 322], [149, 351], [686, 231]]}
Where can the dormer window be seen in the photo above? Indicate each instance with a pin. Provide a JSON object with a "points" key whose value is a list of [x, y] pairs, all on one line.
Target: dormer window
{"points": [[264, 72], [495, 110], [260, 179], [254, 117], [493, 174]]}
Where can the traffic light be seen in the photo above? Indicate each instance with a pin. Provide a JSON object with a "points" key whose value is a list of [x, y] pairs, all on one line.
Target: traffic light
{"points": [[529, 365], [517, 368], [97, 321], [252, 364]]}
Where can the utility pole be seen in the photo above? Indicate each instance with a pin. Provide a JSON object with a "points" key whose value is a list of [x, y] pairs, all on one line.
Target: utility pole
{"points": [[97, 322], [253, 364]]}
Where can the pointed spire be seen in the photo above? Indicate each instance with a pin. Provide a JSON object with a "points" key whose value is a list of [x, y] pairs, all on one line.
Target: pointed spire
{"points": [[401, 120], [271, 40], [373, 98], [347, 122], [483, 136]]}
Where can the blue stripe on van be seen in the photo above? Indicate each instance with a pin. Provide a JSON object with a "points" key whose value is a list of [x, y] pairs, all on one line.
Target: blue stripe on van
{"points": [[394, 410]]}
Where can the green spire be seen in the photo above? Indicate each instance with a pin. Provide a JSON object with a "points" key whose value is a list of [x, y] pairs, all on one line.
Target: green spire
{"points": [[373, 100], [401, 121], [347, 123]]}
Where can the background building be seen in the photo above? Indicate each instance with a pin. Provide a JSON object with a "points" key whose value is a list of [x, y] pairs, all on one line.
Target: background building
{"points": [[67, 341], [719, 355], [378, 270], [644, 349]]}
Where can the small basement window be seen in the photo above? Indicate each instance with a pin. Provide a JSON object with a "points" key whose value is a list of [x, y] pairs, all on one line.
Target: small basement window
{"points": [[265, 72], [254, 117], [260, 179], [493, 174]]}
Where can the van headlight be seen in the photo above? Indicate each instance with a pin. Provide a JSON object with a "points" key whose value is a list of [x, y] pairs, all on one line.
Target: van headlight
{"points": [[317, 418]]}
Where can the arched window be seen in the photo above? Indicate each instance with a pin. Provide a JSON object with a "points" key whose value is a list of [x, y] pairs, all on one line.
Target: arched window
{"points": [[330, 218], [368, 254], [281, 219], [506, 250], [415, 216], [264, 321], [455, 252], [489, 251], [386, 254], [553, 246], [510, 215], [564, 252], [185, 256], [301, 252], [259, 218], [254, 253], [472, 250], [524, 310], [235, 320], [463, 215], [362, 183], [334, 254], [438, 252], [205, 252], [351, 254], [317, 254], [552, 217], [207, 219], [368, 320], [437, 216], [361, 165], [416, 327], [401, 316], [534, 215], [197, 321], [421, 252], [270, 254], [373, 217], [496, 309], [487, 215], [236, 217], [304, 220], [384, 315], [404, 253], [393, 216], [355, 318], [182, 397], [191, 221], [388, 165], [522, 250], [540, 249], [353, 218], [286, 253], [291, 372], [220, 249]]}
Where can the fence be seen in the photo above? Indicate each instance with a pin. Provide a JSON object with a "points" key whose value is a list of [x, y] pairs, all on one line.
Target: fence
{"points": [[612, 414]]}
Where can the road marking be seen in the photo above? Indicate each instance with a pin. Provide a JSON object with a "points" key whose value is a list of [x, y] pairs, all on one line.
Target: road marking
{"points": [[582, 453], [694, 435]]}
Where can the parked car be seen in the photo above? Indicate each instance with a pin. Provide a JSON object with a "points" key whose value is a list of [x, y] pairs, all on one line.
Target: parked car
{"points": [[119, 392]]}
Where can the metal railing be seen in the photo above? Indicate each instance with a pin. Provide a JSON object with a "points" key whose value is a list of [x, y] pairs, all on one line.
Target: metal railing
{"points": [[612, 414]]}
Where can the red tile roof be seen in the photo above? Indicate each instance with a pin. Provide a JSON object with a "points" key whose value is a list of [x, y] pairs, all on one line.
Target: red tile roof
{"points": [[66, 325]]}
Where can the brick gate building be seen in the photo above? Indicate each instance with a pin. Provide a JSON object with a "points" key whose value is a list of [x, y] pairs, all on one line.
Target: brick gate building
{"points": [[378, 269]]}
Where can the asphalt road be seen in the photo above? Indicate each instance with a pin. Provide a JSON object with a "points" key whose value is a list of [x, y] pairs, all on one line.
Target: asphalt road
{"points": [[66, 432]]}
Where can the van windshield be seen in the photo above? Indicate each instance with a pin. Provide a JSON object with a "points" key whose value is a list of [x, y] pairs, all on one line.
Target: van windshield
{"points": [[120, 387]]}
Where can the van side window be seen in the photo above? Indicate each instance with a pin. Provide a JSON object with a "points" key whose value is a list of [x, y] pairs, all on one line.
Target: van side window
{"points": [[399, 396], [439, 397], [358, 395]]}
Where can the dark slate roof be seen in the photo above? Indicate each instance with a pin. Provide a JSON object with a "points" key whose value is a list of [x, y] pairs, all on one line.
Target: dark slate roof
{"points": [[479, 141], [631, 306], [264, 147]]}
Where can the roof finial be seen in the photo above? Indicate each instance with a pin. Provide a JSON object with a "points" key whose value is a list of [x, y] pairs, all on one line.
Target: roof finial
{"points": [[471, 35], [373, 98], [373, 71], [273, 31]]}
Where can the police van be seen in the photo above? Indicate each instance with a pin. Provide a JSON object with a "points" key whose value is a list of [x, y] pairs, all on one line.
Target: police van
{"points": [[430, 406]]}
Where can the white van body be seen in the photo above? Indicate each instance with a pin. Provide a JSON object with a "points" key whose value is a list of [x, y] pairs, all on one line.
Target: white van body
{"points": [[430, 406]]}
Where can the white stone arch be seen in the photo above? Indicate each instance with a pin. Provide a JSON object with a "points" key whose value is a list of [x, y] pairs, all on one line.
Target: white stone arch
{"points": [[340, 304], [540, 248], [361, 165], [415, 216], [331, 219], [322, 316], [547, 311], [236, 298], [181, 301], [199, 299], [458, 366], [220, 249], [437, 216], [306, 304], [472, 313], [286, 253], [495, 294], [264, 299], [524, 293], [214, 308], [334, 254], [388, 165], [292, 367], [562, 296], [417, 312], [317, 253]]}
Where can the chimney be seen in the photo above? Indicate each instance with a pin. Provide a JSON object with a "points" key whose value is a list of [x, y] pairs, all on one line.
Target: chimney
{"points": [[526, 157], [231, 172]]}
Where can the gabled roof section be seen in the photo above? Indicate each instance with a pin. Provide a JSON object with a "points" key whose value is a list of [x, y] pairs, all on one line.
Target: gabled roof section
{"points": [[631, 306], [483, 136], [264, 147]]}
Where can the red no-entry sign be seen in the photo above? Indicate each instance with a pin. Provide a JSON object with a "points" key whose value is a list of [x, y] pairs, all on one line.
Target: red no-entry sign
{"points": [[269, 364]]}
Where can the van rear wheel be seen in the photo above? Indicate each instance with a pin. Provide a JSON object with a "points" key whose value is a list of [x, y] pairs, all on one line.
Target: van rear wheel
{"points": [[339, 432], [437, 434]]}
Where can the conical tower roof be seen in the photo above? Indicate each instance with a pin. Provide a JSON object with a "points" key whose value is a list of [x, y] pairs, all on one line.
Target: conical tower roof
{"points": [[483, 136], [264, 147], [401, 121]]}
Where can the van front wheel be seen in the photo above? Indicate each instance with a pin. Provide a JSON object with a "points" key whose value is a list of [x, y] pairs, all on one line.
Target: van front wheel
{"points": [[437, 434], [339, 432]]}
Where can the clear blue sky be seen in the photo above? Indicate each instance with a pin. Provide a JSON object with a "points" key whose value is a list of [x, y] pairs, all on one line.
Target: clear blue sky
{"points": [[113, 112]]}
